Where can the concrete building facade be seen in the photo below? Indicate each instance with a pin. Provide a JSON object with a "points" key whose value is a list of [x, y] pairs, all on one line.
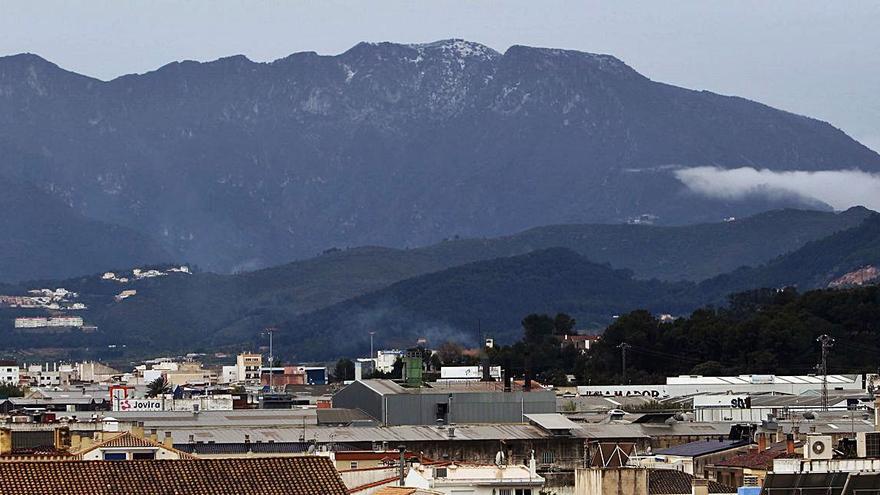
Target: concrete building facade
{"points": [[392, 404]]}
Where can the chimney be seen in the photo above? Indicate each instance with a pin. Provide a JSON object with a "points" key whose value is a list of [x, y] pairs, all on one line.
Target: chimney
{"points": [[533, 466], [247, 438], [358, 371], [789, 443], [450, 432], [5, 441], [700, 486], [402, 450], [154, 435], [762, 442], [168, 441], [487, 376], [62, 438], [506, 375], [138, 429], [192, 438]]}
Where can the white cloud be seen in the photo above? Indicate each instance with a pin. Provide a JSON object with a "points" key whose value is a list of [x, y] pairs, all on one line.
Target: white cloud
{"points": [[839, 188]]}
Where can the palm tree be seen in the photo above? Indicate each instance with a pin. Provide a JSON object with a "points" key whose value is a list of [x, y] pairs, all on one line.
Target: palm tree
{"points": [[159, 386]]}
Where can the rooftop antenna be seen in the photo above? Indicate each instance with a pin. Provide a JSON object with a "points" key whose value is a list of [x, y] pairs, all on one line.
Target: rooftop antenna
{"points": [[826, 342]]}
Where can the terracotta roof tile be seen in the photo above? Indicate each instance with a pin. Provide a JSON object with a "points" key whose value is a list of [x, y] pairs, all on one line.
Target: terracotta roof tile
{"points": [[126, 439], [672, 482], [756, 460], [263, 476], [395, 490]]}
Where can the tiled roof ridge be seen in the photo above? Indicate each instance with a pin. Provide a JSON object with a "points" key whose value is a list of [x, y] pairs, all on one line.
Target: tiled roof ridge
{"points": [[115, 441]]}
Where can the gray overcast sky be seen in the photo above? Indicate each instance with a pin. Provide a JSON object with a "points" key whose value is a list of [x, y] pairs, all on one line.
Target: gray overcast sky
{"points": [[816, 58]]}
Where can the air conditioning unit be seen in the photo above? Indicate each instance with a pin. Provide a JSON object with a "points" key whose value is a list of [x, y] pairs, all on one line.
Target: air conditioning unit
{"points": [[868, 444], [818, 447]]}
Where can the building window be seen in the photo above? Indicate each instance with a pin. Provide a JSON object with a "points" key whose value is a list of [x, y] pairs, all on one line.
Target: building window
{"points": [[547, 457], [523, 491], [504, 491], [114, 456], [353, 465], [143, 455]]}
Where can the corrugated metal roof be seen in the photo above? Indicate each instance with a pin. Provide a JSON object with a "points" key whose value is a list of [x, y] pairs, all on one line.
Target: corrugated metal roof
{"points": [[341, 416], [609, 431], [384, 387], [235, 418], [757, 379], [325, 434], [552, 421]]}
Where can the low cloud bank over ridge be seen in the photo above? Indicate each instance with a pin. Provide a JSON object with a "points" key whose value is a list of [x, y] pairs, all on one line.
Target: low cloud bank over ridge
{"points": [[840, 189]]}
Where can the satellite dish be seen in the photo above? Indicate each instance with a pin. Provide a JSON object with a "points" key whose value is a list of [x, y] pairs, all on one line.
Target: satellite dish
{"points": [[809, 415], [499, 458]]}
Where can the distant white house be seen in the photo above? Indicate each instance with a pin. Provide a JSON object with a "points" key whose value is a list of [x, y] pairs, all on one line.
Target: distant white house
{"points": [[43, 322], [125, 294]]}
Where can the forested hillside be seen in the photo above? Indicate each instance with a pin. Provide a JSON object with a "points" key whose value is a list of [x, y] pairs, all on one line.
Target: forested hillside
{"points": [[763, 331]]}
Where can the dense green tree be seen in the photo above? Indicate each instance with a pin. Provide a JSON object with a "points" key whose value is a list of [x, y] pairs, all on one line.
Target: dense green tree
{"points": [[450, 353], [159, 386], [767, 331], [344, 370], [8, 390], [564, 324]]}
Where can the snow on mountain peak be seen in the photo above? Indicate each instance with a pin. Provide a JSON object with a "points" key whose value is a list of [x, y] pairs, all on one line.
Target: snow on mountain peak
{"points": [[459, 48]]}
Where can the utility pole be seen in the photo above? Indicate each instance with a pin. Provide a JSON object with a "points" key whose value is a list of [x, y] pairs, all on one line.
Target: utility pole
{"points": [[623, 347], [270, 331], [826, 342]]}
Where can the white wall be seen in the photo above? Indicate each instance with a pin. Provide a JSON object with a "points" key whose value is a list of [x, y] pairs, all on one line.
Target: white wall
{"points": [[9, 374]]}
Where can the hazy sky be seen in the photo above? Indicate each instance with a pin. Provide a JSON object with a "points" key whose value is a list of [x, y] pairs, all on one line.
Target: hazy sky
{"points": [[816, 58]]}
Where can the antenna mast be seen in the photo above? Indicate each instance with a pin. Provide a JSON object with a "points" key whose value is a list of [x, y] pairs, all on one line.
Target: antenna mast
{"points": [[826, 342]]}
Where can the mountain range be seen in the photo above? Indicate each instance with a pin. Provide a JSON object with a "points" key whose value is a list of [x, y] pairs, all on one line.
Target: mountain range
{"points": [[234, 165], [325, 306]]}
